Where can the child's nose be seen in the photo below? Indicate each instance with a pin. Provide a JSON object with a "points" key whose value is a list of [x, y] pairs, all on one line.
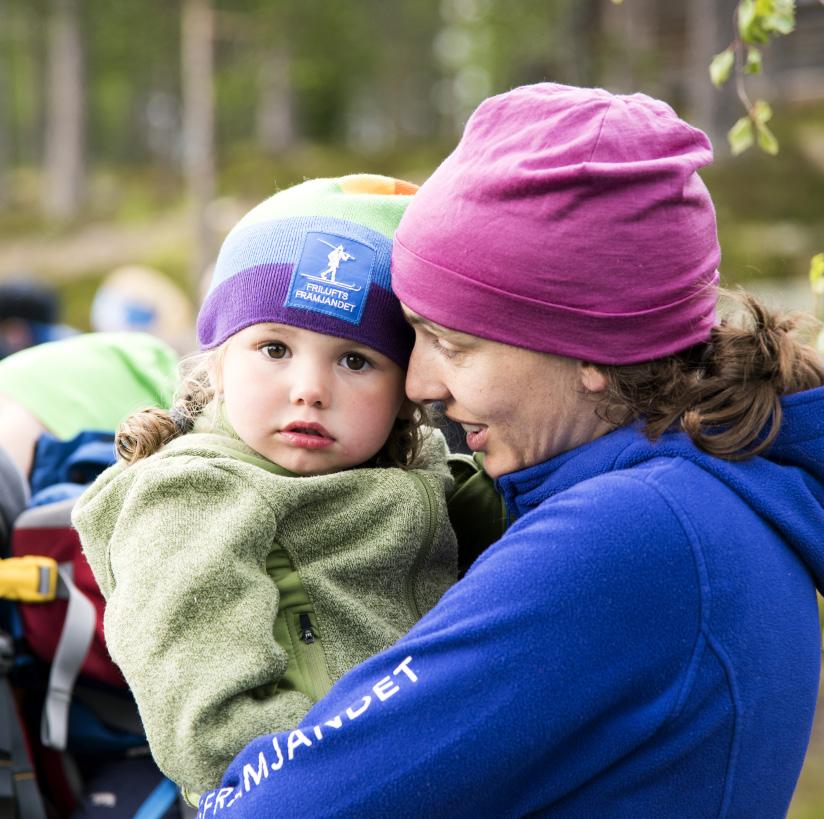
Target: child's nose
{"points": [[310, 388]]}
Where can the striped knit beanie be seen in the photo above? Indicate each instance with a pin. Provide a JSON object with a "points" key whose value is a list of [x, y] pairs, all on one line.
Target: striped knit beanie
{"points": [[314, 256]]}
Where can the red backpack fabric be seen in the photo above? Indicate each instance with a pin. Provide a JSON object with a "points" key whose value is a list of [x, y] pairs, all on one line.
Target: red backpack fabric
{"points": [[46, 530]]}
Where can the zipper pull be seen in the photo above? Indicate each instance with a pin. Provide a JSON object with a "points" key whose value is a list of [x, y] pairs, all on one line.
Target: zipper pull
{"points": [[306, 633]]}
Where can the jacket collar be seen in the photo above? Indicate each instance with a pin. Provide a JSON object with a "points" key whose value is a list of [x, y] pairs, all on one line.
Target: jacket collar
{"points": [[527, 488]]}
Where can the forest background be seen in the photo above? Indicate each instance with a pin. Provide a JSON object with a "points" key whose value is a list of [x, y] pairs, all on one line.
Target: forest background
{"points": [[138, 131]]}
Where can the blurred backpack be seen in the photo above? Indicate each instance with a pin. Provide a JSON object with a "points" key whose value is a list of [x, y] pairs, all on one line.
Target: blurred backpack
{"points": [[74, 739]]}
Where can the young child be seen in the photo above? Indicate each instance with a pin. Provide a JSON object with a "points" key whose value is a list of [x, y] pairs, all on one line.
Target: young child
{"points": [[301, 525]]}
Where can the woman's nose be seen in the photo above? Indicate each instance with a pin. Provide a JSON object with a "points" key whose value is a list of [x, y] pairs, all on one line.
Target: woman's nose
{"points": [[423, 380]]}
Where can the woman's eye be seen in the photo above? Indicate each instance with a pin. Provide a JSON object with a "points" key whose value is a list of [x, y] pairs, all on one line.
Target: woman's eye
{"points": [[354, 361], [444, 347], [274, 350]]}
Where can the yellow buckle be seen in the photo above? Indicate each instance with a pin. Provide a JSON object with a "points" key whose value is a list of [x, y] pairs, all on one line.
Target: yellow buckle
{"points": [[29, 579]]}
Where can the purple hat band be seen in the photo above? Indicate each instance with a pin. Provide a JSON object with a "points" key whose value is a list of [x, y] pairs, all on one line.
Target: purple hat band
{"points": [[258, 294], [323, 273], [314, 256]]}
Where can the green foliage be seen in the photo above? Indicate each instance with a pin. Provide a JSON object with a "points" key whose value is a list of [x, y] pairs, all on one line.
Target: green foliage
{"points": [[757, 22], [721, 66], [741, 135], [753, 127], [754, 62], [766, 139], [761, 113]]}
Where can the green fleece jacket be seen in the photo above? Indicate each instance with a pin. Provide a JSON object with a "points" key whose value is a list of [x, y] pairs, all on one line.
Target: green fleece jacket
{"points": [[238, 592]]}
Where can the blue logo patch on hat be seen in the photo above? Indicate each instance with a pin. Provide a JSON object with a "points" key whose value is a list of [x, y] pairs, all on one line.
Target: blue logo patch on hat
{"points": [[332, 276]]}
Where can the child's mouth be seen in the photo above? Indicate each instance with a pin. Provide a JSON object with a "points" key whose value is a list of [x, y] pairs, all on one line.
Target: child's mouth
{"points": [[307, 435]]}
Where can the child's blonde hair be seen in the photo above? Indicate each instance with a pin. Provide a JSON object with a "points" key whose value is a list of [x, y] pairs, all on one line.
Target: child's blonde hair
{"points": [[144, 433]]}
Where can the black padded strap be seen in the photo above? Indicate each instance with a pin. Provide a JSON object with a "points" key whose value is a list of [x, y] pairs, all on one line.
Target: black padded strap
{"points": [[19, 795]]}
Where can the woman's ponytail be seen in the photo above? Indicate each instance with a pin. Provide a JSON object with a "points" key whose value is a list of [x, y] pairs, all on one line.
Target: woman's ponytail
{"points": [[725, 394]]}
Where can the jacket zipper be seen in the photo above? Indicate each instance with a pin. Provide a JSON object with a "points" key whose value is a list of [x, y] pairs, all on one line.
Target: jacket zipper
{"points": [[310, 656], [426, 544], [305, 624]]}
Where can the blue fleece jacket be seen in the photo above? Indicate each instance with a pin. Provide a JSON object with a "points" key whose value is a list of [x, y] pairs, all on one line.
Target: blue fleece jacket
{"points": [[643, 641]]}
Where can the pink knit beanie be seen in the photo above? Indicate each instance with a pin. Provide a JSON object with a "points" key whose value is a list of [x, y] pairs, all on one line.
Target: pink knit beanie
{"points": [[570, 221]]}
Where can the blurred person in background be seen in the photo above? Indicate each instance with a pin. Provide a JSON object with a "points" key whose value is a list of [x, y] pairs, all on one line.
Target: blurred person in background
{"points": [[135, 298], [89, 381], [29, 315]]}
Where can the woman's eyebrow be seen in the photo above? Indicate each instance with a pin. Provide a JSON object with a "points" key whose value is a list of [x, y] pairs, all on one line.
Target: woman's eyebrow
{"points": [[419, 321]]}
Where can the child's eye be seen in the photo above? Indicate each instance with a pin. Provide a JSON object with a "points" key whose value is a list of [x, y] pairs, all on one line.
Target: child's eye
{"points": [[354, 361], [274, 349]]}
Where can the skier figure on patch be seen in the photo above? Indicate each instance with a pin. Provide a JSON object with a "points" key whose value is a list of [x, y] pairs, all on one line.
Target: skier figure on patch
{"points": [[335, 258]]}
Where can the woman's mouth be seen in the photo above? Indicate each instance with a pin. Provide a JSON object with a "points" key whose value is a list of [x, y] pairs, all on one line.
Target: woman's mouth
{"points": [[306, 435], [476, 435]]}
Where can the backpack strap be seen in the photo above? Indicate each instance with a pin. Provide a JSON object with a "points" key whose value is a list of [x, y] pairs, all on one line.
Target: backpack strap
{"points": [[158, 802], [19, 795], [39, 579], [75, 639]]}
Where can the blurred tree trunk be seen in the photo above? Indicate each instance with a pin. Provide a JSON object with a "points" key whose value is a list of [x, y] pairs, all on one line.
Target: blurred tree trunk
{"points": [[710, 28], [27, 55], [275, 113], [65, 145], [631, 26], [197, 55], [584, 28]]}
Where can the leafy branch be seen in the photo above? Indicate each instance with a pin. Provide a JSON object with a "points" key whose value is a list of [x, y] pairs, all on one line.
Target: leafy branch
{"points": [[755, 23]]}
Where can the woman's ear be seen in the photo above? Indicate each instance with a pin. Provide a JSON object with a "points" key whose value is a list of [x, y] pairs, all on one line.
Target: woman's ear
{"points": [[592, 378]]}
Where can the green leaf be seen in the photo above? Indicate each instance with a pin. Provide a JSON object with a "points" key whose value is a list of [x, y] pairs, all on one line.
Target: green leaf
{"points": [[750, 22], [721, 66], [746, 18], [781, 19], [741, 136], [761, 111], [753, 64], [766, 139], [817, 274]]}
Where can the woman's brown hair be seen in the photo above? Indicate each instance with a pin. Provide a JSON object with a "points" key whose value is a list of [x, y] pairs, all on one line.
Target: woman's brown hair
{"points": [[144, 433], [724, 393]]}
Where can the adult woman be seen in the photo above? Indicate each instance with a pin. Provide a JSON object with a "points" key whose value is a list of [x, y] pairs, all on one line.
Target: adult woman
{"points": [[643, 640]]}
